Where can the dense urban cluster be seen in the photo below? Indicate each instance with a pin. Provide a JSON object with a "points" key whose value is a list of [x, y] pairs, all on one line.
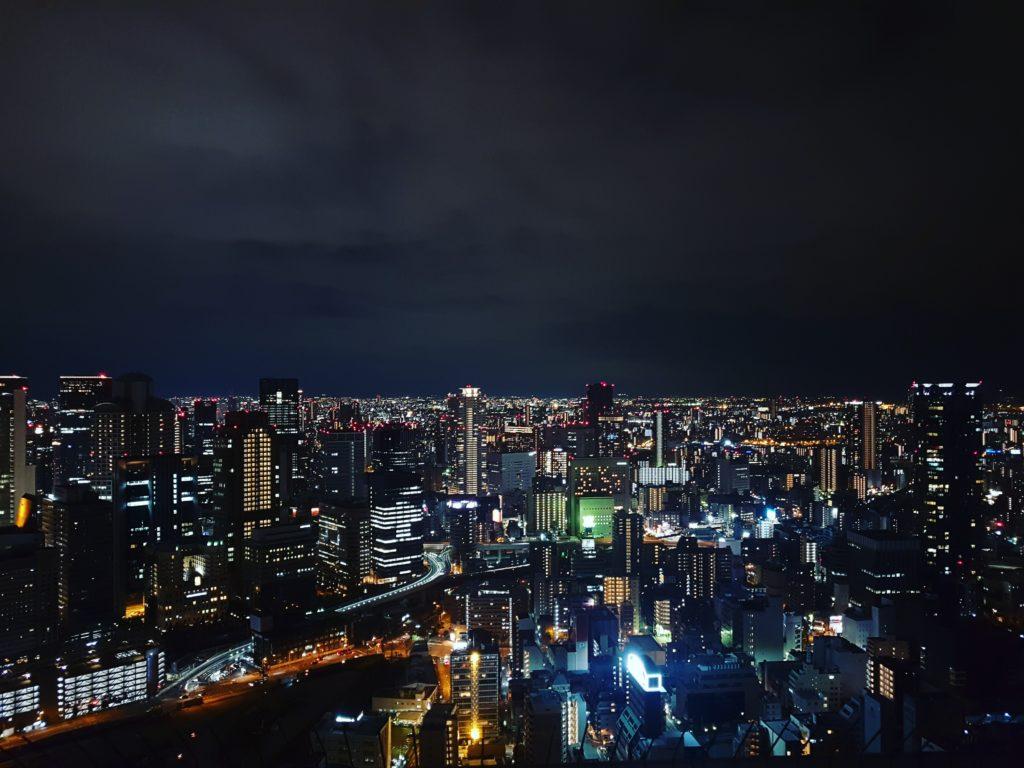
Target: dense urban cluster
{"points": [[520, 581]]}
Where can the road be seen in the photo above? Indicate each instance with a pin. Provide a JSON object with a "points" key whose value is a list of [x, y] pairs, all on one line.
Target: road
{"points": [[437, 568]]}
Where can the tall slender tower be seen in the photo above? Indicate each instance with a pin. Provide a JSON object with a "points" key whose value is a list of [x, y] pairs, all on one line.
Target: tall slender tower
{"points": [[948, 478], [868, 436], [17, 477], [469, 441]]}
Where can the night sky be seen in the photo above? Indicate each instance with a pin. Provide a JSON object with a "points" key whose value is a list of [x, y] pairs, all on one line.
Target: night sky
{"points": [[406, 197]]}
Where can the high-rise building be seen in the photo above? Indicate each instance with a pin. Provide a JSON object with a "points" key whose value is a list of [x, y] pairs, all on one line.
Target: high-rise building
{"points": [[280, 568], [546, 506], [246, 479], [77, 398], [948, 480], [188, 583], [344, 546], [696, 569], [394, 447], [281, 400], [489, 608], [134, 424], [339, 466], [868, 439], [827, 459], [89, 537], [470, 442], [396, 522], [476, 691], [884, 565], [599, 402], [627, 541], [204, 433], [659, 438], [155, 497], [438, 742], [597, 487], [29, 580], [17, 477]]}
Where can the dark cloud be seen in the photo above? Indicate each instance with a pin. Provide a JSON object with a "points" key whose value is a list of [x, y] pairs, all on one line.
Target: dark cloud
{"points": [[402, 197]]}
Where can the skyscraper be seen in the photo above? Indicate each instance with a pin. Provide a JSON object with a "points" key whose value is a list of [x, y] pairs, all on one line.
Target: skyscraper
{"points": [[627, 541], [88, 535], [339, 466], [344, 546], [597, 486], [396, 522], [659, 438], [16, 476], [133, 424], [947, 478], [469, 442], [246, 478], [476, 687], [868, 418], [204, 433], [281, 399], [599, 401], [827, 459], [77, 398], [155, 496]]}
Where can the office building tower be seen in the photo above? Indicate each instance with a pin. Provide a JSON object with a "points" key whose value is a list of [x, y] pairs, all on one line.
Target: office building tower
{"points": [[510, 472], [470, 442], [597, 487], [546, 506], [339, 466], [696, 563], [395, 447], [133, 424], [659, 438], [204, 434], [476, 691], [77, 398], [155, 497], [280, 568], [188, 583], [551, 726], [396, 523], [627, 541], [281, 400], [867, 413], [246, 479], [89, 536], [827, 460], [883, 565], [733, 473], [437, 743], [489, 608], [947, 483], [29, 580], [344, 547], [643, 718], [600, 401], [17, 477]]}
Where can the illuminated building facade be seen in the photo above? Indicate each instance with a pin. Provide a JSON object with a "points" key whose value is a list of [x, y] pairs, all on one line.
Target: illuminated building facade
{"points": [[469, 442], [344, 547], [16, 476], [134, 424], [476, 691], [246, 479], [948, 480], [546, 506], [77, 398], [597, 487], [396, 524]]}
